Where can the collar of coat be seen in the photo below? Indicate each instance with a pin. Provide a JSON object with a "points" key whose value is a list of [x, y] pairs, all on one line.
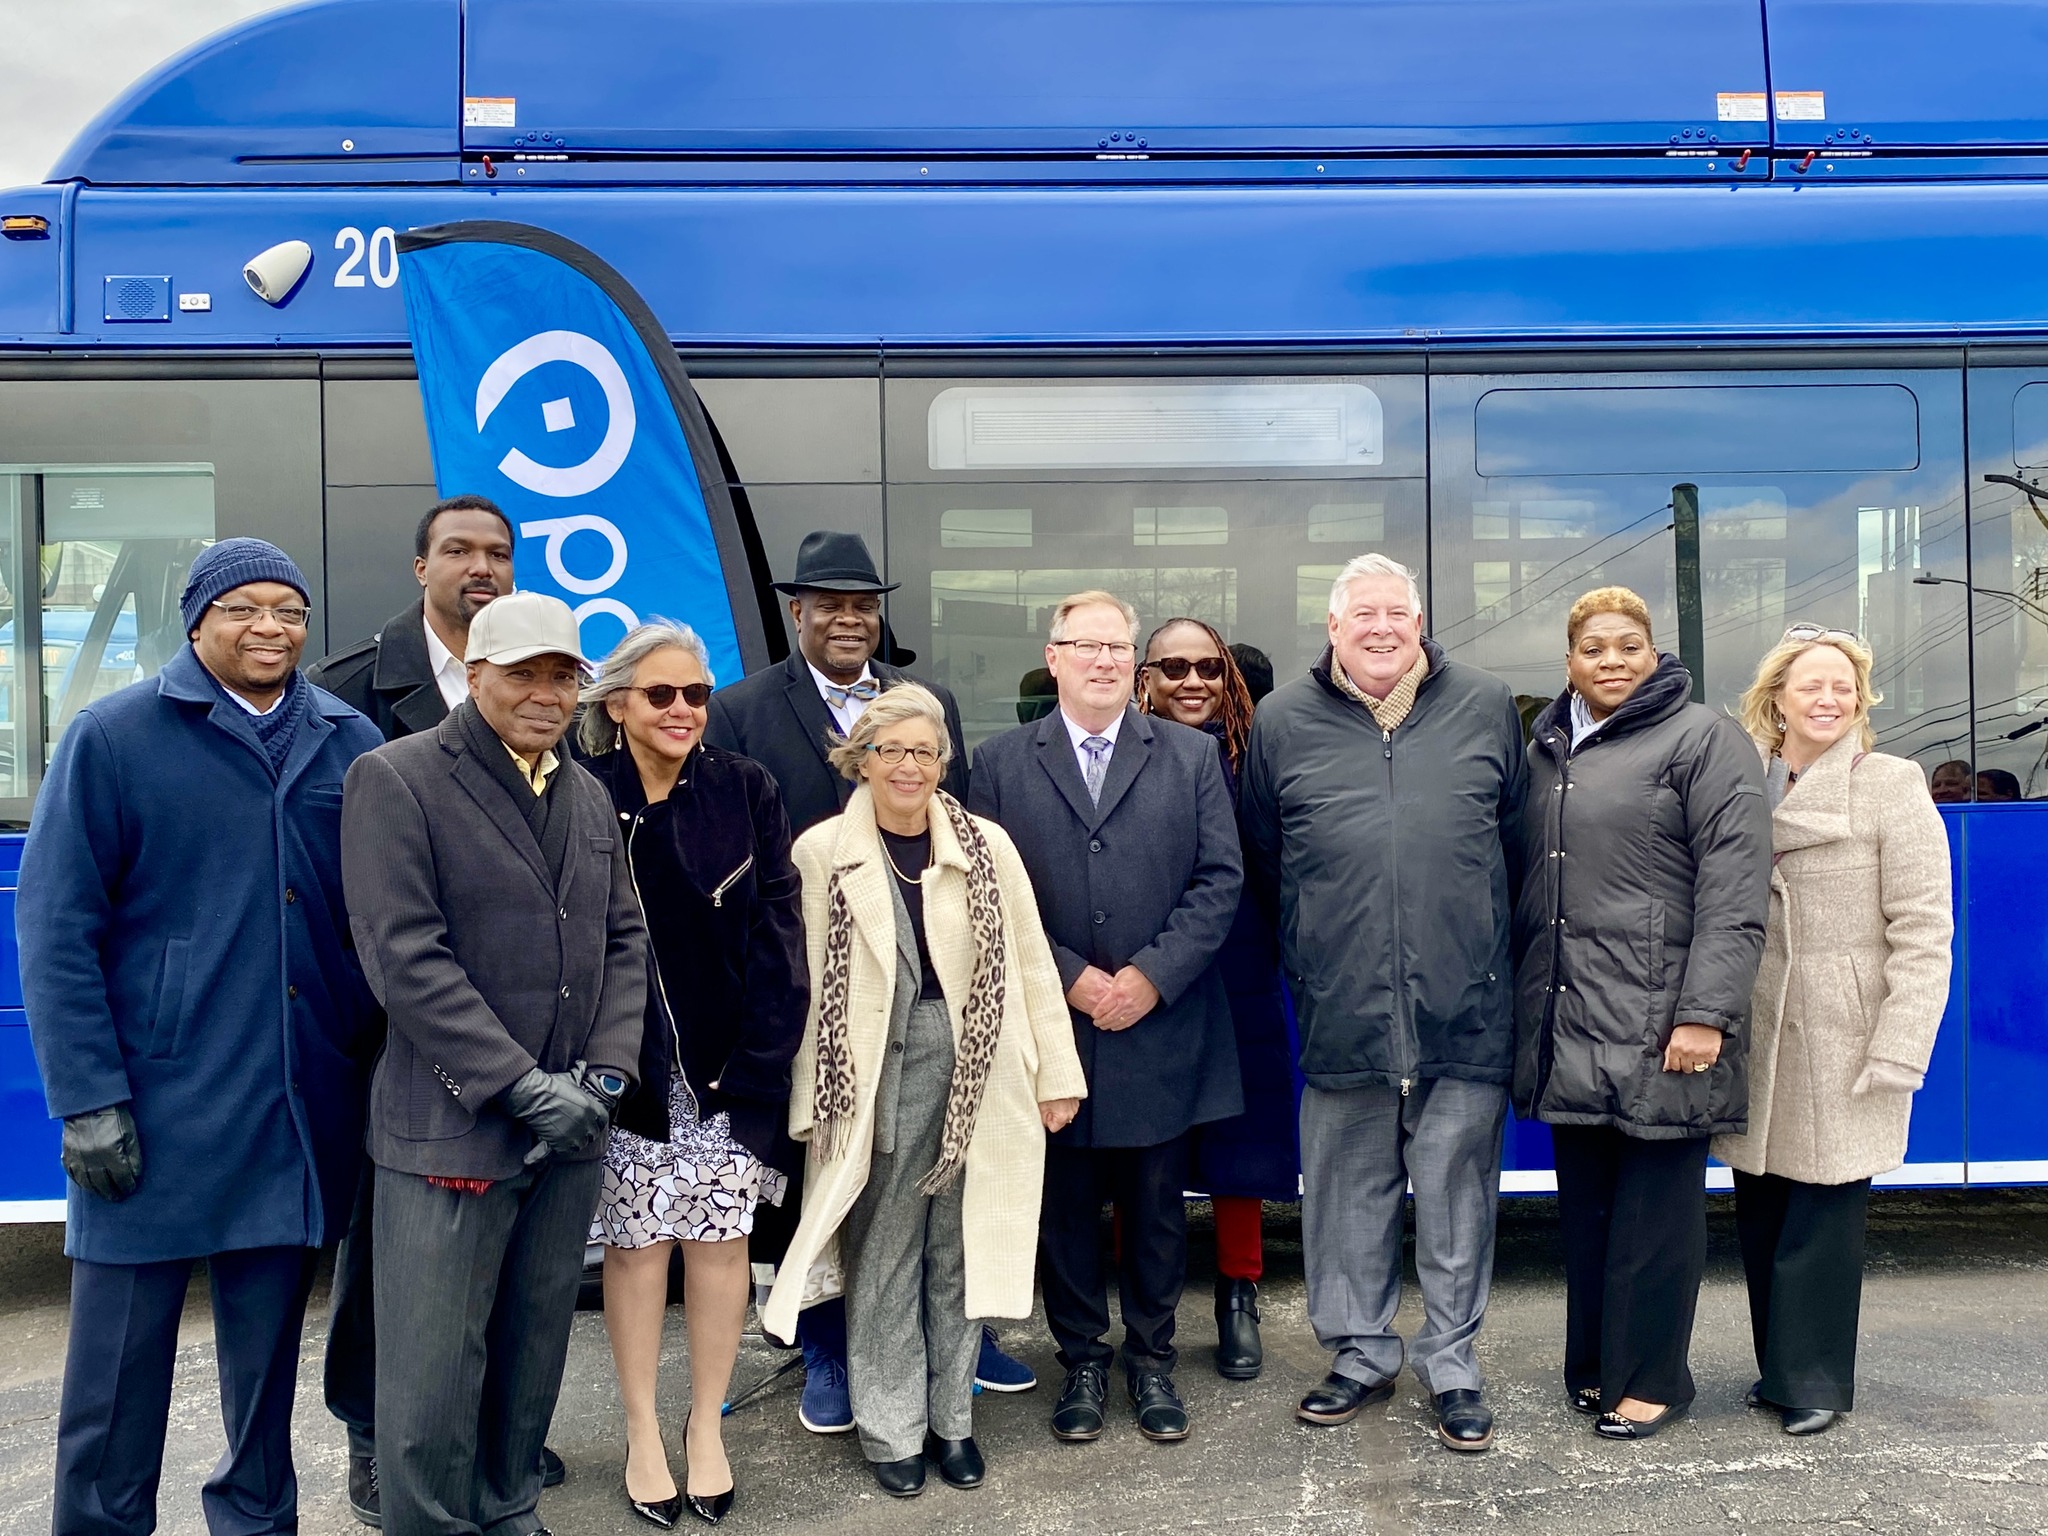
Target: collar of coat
{"points": [[402, 662], [857, 851], [1816, 809], [1662, 694], [185, 680], [1323, 673]]}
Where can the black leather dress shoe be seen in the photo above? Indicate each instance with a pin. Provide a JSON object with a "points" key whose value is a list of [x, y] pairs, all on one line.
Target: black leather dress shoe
{"points": [[1239, 1354], [1161, 1413], [1463, 1421], [1807, 1421], [552, 1472], [1586, 1400], [1339, 1399], [1755, 1398], [1078, 1413], [959, 1461], [363, 1502], [661, 1512], [900, 1479]]}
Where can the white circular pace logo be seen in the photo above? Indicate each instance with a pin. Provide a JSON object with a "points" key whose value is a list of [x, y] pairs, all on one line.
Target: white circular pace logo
{"points": [[562, 347]]}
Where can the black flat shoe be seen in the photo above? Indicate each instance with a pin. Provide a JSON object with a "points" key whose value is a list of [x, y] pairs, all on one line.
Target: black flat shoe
{"points": [[1807, 1421], [1463, 1421], [363, 1500], [1161, 1413], [1078, 1413], [1339, 1399], [1612, 1426], [552, 1471], [661, 1512], [959, 1461], [900, 1479], [1239, 1354], [1585, 1400]]}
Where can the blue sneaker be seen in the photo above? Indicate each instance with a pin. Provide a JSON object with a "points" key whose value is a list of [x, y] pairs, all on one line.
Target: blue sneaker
{"points": [[826, 1407], [998, 1372]]}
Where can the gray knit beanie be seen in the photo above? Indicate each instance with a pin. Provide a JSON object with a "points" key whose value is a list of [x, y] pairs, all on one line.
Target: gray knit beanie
{"points": [[235, 563]]}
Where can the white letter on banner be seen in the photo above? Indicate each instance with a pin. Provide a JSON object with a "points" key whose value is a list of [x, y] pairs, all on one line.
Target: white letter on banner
{"points": [[562, 347], [556, 531], [610, 605]]}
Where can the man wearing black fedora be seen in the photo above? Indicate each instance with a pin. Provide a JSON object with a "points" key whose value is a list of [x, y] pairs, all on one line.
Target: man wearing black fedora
{"points": [[784, 718]]}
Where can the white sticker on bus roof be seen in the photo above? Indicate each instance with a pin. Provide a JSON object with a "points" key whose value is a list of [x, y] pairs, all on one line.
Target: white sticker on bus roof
{"points": [[490, 111], [1740, 107], [1802, 106]]}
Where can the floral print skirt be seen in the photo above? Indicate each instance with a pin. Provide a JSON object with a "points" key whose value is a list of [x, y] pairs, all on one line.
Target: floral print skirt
{"points": [[701, 1187]]}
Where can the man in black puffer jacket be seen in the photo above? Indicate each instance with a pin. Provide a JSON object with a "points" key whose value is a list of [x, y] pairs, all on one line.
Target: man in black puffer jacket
{"points": [[1382, 798]]}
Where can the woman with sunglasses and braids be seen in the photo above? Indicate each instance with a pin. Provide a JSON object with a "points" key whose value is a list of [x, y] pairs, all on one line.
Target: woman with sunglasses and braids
{"points": [[1190, 676], [937, 1056], [688, 1158], [1853, 984]]}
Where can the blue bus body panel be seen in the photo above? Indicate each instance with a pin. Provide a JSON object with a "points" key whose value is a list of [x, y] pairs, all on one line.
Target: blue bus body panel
{"points": [[273, 98], [2006, 852], [852, 267], [928, 76], [1933, 74], [28, 1136]]}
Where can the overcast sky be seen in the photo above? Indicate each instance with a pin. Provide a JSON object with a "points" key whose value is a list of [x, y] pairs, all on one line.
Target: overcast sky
{"points": [[68, 58]]}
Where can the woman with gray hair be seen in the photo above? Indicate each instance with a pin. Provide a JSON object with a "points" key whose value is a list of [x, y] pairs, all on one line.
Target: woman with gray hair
{"points": [[936, 1057], [689, 1156]]}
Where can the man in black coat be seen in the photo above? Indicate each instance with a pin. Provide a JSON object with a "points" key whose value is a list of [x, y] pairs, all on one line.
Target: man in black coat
{"points": [[1126, 828], [784, 717], [405, 678], [496, 919], [1382, 797]]}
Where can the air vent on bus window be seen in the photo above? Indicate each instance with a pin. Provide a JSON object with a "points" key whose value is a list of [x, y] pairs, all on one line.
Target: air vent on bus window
{"points": [[138, 298]]}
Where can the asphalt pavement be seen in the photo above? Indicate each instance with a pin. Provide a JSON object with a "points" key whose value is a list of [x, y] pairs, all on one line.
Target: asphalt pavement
{"points": [[1950, 1432]]}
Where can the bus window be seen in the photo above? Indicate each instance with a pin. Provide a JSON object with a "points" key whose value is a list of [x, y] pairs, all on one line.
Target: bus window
{"points": [[1833, 498], [2009, 582], [1229, 499]]}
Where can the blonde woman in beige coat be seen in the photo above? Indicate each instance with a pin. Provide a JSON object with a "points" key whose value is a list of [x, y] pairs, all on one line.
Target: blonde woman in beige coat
{"points": [[1852, 987], [937, 1056]]}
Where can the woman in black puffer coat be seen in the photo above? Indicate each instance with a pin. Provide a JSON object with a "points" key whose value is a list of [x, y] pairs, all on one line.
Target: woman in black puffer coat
{"points": [[1637, 934]]}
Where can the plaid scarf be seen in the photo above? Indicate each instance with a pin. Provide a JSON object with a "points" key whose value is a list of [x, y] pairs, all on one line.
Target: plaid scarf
{"points": [[1389, 712], [981, 1018]]}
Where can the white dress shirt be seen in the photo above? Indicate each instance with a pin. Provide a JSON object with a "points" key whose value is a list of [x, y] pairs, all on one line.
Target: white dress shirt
{"points": [[847, 717], [451, 676], [249, 708], [1078, 734]]}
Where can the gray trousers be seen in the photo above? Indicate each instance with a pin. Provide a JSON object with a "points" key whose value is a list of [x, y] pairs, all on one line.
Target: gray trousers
{"points": [[1360, 1149], [474, 1297], [911, 1349]]}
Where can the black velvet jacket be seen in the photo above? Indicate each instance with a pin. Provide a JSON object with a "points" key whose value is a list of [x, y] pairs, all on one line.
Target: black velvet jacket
{"points": [[731, 984]]}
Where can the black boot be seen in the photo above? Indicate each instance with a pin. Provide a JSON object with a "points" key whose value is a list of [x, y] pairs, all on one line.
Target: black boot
{"points": [[1239, 1355]]}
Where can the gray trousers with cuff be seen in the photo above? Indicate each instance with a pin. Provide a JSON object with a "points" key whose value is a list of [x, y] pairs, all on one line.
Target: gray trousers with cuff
{"points": [[911, 1348], [1360, 1149], [475, 1295]]}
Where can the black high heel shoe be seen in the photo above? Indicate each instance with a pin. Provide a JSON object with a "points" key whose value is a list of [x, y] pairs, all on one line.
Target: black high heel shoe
{"points": [[708, 1507], [661, 1512]]}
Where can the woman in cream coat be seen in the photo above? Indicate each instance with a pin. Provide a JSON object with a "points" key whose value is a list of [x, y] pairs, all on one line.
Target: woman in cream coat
{"points": [[937, 1055], [1852, 988]]}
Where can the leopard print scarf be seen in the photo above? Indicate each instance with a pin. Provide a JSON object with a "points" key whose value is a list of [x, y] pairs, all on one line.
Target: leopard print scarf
{"points": [[981, 1023]]}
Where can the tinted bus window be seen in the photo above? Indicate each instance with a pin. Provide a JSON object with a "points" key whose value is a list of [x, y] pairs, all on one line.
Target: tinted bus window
{"points": [[2009, 578], [1232, 500], [1833, 499]]}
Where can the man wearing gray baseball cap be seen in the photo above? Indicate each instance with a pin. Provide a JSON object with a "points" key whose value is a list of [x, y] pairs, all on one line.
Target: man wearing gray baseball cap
{"points": [[496, 919]]}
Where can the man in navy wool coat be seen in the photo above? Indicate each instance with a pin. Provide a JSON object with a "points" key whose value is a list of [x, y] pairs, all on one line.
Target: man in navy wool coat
{"points": [[201, 1025]]}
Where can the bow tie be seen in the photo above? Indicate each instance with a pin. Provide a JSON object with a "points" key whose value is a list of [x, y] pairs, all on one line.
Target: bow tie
{"points": [[867, 690]]}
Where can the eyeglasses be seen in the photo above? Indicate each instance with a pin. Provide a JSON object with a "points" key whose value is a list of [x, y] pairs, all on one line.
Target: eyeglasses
{"points": [[289, 616], [662, 695], [1122, 652], [1821, 632], [893, 752], [1174, 668]]}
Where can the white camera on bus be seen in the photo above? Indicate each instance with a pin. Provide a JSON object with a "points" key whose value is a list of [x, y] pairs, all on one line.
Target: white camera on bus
{"points": [[274, 273]]}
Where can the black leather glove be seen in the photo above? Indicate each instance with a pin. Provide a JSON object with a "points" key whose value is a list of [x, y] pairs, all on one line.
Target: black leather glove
{"points": [[101, 1152], [565, 1116]]}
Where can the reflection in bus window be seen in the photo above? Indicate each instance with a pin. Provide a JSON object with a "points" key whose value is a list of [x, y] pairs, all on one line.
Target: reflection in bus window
{"points": [[1816, 502]]}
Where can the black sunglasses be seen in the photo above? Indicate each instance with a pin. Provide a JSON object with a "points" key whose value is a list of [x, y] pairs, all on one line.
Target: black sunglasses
{"points": [[1208, 669], [662, 695]]}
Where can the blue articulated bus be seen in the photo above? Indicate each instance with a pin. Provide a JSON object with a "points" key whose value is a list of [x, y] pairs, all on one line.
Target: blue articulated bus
{"points": [[1192, 299]]}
